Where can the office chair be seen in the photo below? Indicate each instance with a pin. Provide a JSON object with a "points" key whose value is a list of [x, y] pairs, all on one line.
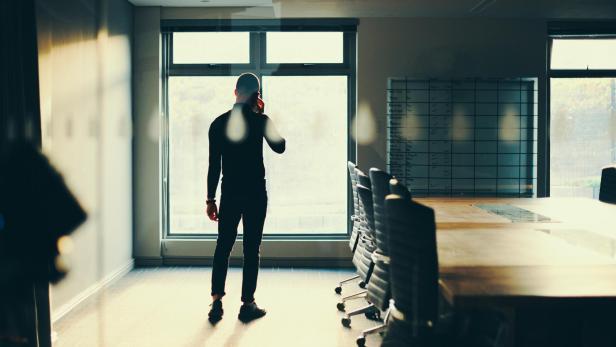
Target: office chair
{"points": [[379, 293], [607, 192], [396, 187], [355, 217], [380, 189], [362, 259], [355, 220], [414, 273], [414, 308], [366, 244]]}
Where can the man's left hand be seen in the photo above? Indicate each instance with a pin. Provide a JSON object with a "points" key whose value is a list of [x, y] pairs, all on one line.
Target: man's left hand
{"points": [[212, 211]]}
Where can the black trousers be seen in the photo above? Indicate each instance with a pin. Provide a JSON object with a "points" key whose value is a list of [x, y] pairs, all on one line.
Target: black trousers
{"points": [[251, 208]]}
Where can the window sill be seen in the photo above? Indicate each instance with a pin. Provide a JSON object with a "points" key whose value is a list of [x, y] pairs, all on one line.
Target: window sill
{"points": [[270, 248]]}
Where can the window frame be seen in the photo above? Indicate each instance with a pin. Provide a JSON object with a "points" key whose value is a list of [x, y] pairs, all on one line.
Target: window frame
{"points": [[258, 65], [570, 30]]}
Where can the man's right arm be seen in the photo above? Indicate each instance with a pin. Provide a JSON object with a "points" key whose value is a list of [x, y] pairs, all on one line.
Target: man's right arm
{"points": [[213, 172], [276, 142]]}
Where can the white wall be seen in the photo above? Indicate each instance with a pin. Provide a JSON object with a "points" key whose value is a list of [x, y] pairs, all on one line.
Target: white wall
{"points": [[147, 125], [86, 110]]}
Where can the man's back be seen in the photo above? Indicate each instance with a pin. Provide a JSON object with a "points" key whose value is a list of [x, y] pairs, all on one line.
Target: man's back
{"points": [[236, 141]]}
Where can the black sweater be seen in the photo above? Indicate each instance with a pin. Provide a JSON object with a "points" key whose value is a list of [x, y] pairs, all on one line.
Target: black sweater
{"points": [[236, 140]]}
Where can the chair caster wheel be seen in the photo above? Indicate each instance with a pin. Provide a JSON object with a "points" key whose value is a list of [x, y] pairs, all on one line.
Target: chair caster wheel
{"points": [[362, 284], [361, 341], [346, 322], [373, 315], [338, 290], [340, 306]]}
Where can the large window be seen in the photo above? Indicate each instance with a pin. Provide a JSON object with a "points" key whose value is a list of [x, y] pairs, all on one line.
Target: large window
{"points": [[582, 114], [308, 88]]}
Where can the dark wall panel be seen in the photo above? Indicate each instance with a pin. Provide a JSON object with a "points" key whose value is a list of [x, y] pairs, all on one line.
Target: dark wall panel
{"points": [[19, 106]]}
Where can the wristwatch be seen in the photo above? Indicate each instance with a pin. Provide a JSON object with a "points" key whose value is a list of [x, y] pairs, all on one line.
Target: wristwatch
{"points": [[210, 201]]}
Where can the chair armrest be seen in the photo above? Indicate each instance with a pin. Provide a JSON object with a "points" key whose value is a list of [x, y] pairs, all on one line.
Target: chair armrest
{"points": [[399, 315], [368, 241], [380, 258]]}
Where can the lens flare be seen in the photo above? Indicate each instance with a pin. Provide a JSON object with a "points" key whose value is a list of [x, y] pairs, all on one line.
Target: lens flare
{"points": [[363, 126], [62, 263], [410, 127], [65, 244], [236, 126], [509, 126], [460, 129], [154, 127], [271, 132]]}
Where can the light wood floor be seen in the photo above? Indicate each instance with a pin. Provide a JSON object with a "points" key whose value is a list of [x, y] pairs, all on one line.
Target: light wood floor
{"points": [[168, 307]]}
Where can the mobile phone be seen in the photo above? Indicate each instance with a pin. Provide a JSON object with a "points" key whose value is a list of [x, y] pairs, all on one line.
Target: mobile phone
{"points": [[254, 102]]}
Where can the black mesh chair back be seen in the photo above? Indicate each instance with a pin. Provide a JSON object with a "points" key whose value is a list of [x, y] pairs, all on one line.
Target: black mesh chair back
{"points": [[356, 225], [379, 287], [364, 180], [607, 192], [413, 261], [365, 196], [362, 258], [380, 189], [379, 291], [396, 187], [353, 178]]}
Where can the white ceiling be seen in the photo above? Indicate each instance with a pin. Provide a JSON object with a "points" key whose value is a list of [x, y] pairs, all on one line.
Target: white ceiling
{"points": [[420, 8]]}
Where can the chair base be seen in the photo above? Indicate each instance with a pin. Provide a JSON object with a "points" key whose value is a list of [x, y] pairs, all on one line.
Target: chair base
{"points": [[346, 320], [341, 305], [338, 289], [361, 339]]}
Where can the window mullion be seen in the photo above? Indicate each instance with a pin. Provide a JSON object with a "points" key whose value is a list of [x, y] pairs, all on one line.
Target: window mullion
{"points": [[262, 50], [255, 50]]}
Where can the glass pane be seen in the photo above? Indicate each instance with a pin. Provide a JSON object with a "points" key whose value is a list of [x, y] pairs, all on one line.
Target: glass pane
{"points": [[194, 102], [211, 48], [584, 54], [307, 185], [304, 47], [582, 134]]}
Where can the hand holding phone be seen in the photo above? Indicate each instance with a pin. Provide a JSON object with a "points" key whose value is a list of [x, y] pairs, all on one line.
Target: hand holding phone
{"points": [[257, 104], [260, 105]]}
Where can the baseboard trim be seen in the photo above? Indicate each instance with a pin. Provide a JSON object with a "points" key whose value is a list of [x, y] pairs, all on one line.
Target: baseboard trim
{"points": [[266, 262], [63, 310], [148, 261]]}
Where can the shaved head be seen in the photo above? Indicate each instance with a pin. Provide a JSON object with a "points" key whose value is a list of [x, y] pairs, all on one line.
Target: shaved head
{"points": [[247, 84]]}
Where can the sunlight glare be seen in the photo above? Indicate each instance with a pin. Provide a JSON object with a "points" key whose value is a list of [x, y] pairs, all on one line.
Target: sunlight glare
{"points": [[363, 127]]}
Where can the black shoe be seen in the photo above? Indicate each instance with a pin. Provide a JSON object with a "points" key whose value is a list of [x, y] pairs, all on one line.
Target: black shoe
{"points": [[250, 312], [216, 311]]}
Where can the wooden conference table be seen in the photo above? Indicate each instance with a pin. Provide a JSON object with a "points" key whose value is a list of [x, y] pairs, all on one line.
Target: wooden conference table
{"points": [[525, 253]]}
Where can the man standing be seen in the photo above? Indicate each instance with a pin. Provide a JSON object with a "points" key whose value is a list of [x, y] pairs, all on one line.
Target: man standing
{"points": [[236, 140]]}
